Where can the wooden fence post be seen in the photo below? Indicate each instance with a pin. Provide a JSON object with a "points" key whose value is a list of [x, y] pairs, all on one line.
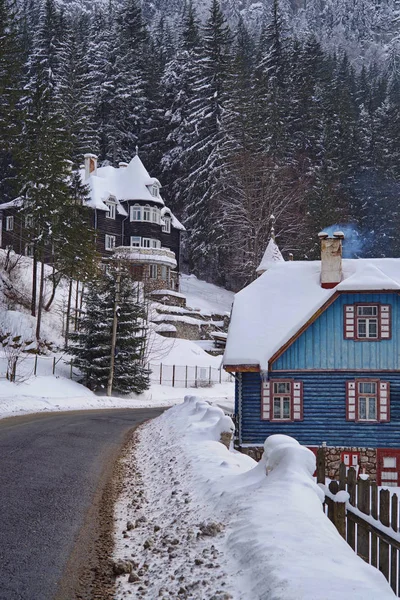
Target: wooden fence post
{"points": [[35, 366], [70, 370], [342, 476], [351, 488], [333, 488], [173, 376], [186, 376], [384, 517], [54, 365], [364, 507], [220, 374], [321, 465], [195, 377], [209, 376], [160, 373], [374, 514], [393, 551]]}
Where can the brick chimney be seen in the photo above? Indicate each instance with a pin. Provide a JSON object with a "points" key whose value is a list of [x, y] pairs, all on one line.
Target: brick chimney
{"points": [[331, 258], [90, 165]]}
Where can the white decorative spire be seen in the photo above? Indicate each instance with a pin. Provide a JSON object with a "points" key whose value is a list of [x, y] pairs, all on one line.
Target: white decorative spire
{"points": [[272, 254]]}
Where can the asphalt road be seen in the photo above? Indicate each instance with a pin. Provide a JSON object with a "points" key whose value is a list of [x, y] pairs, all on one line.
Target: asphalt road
{"points": [[51, 468]]}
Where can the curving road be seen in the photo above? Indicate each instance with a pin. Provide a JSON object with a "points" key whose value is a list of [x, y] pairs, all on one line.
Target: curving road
{"points": [[53, 469]]}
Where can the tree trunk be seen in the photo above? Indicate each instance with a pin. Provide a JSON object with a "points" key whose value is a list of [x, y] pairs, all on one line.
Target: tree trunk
{"points": [[34, 285], [40, 303], [55, 278], [76, 306], [68, 313]]}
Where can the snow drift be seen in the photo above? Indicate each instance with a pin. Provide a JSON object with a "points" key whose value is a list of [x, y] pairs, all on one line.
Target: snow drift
{"points": [[277, 543]]}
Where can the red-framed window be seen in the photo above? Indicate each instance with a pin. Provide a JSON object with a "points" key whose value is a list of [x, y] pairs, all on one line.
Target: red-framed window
{"points": [[367, 322], [368, 401], [282, 400]]}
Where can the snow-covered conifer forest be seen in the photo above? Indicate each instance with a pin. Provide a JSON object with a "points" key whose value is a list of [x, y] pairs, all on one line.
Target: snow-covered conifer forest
{"points": [[242, 110]]}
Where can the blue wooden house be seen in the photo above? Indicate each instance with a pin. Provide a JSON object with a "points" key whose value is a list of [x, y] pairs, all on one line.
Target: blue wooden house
{"points": [[315, 349]]}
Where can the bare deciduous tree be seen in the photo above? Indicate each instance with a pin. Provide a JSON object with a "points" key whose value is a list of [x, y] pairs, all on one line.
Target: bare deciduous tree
{"points": [[255, 189]]}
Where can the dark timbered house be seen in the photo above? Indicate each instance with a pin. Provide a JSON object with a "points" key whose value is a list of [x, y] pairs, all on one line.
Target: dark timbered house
{"points": [[129, 217]]}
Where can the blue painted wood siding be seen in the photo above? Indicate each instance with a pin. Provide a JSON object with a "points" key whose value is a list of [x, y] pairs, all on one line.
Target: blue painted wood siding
{"points": [[324, 412], [322, 345]]}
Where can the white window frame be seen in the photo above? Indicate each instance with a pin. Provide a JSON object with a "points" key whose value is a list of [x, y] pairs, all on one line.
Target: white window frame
{"points": [[10, 223], [153, 272], [112, 210], [147, 213], [150, 243], [368, 397], [138, 241], [370, 322], [166, 225], [155, 215], [284, 397], [154, 189], [136, 208], [28, 221], [109, 242]]}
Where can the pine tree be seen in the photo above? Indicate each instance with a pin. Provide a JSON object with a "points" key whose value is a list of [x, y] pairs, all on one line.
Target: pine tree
{"points": [[92, 344], [206, 141], [11, 86], [179, 78], [130, 373], [270, 87], [76, 92]]}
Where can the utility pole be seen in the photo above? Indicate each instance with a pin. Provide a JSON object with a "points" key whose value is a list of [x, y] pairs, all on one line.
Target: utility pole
{"points": [[114, 329]]}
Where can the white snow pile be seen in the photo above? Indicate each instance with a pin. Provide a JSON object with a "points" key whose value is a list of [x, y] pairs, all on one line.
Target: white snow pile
{"points": [[200, 522]]}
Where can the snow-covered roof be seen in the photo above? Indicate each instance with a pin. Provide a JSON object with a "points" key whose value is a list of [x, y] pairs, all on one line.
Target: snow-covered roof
{"points": [[269, 311], [124, 183], [130, 182], [17, 203], [272, 255]]}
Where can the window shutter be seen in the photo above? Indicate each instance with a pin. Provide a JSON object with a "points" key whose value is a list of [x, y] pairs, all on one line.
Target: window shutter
{"points": [[265, 400], [297, 401], [384, 401], [349, 322], [350, 400], [385, 322]]}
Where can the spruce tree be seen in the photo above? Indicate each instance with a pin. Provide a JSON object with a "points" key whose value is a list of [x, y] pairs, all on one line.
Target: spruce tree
{"points": [[204, 152], [92, 344], [130, 372], [11, 86]]}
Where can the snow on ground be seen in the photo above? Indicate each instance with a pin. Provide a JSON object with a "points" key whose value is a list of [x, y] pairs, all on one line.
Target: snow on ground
{"points": [[177, 351], [198, 522], [205, 297], [52, 394]]}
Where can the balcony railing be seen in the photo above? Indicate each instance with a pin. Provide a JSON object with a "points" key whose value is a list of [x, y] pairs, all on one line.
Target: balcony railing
{"points": [[162, 256]]}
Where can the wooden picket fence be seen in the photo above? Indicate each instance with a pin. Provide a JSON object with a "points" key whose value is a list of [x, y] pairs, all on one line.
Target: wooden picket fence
{"points": [[368, 521]]}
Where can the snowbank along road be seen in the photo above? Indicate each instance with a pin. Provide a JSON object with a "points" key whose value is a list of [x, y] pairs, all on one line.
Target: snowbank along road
{"points": [[55, 473]]}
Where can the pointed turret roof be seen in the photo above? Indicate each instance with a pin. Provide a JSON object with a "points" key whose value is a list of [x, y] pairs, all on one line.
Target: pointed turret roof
{"points": [[272, 255]]}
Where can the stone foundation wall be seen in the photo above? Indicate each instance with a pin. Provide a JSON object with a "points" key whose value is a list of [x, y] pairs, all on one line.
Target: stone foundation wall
{"points": [[332, 459], [367, 460]]}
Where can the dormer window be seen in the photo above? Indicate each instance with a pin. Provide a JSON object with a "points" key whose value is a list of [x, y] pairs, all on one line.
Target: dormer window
{"points": [[111, 209], [154, 190], [166, 225]]}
